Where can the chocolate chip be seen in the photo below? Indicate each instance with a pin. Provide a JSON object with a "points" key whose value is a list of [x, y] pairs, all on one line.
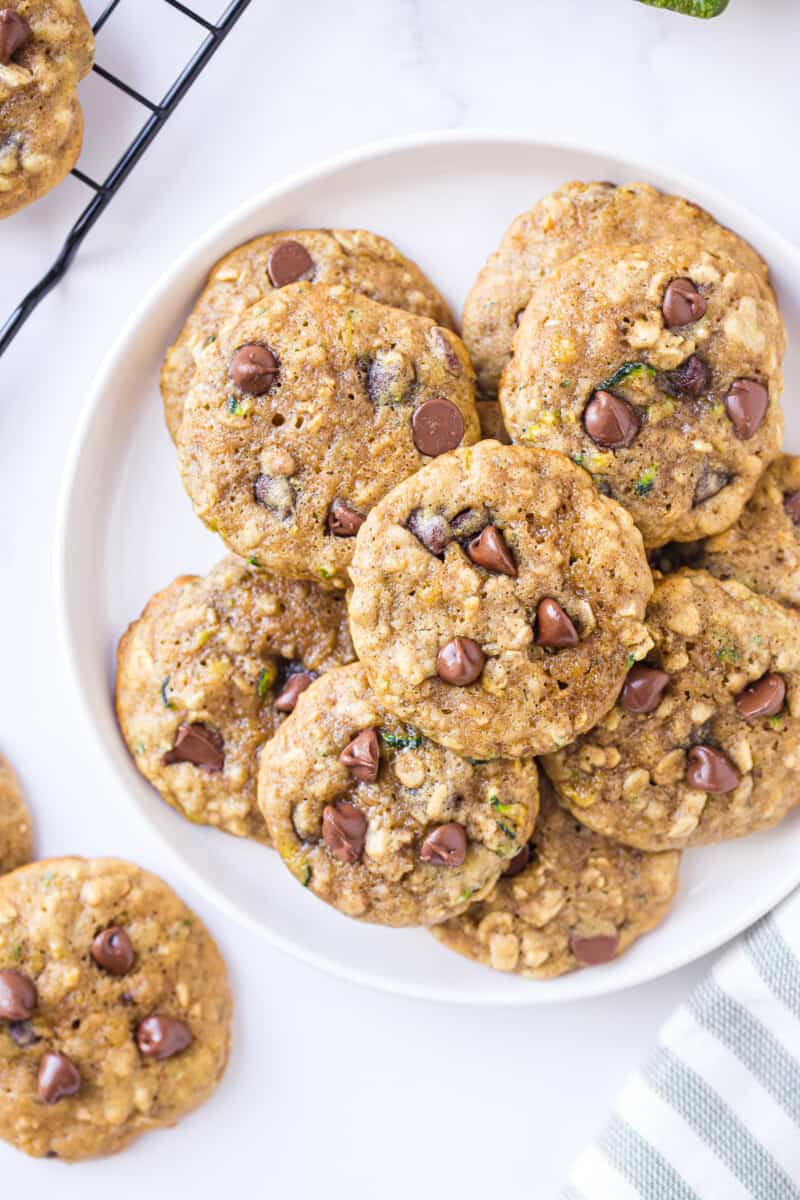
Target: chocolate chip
{"points": [[689, 380], [390, 378], [362, 756], [254, 369], [161, 1037], [610, 421], [112, 950], [441, 342], [592, 951], [430, 528], [682, 304], [437, 426], [17, 996], [791, 503], [58, 1077], [710, 770], [643, 689], [519, 862], [344, 829], [344, 520], [445, 846], [288, 262], [295, 684], [746, 404], [23, 1034], [460, 661], [197, 744], [469, 522], [710, 482], [489, 550], [553, 626], [15, 32], [275, 493], [764, 698]]}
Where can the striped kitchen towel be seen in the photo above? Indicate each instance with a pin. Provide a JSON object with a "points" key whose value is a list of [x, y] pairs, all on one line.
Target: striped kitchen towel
{"points": [[715, 1112]]}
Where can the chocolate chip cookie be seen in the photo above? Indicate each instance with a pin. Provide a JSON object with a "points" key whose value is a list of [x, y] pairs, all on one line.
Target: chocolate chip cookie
{"points": [[46, 47], [352, 258], [498, 600], [762, 550], [16, 839], [379, 821], [306, 410], [207, 673], [704, 742], [114, 1007], [658, 369], [571, 898], [577, 217]]}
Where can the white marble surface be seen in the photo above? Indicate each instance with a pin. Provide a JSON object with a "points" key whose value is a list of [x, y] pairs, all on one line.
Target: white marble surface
{"points": [[331, 1088]]}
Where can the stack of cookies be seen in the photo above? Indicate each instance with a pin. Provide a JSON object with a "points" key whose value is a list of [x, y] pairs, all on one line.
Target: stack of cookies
{"points": [[438, 673]]}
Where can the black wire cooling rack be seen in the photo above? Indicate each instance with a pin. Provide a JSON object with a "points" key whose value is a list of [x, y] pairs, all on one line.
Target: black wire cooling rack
{"points": [[104, 192]]}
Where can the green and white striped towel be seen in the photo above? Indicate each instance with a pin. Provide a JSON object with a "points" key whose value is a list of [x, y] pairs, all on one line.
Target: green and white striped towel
{"points": [[715, 1112]]}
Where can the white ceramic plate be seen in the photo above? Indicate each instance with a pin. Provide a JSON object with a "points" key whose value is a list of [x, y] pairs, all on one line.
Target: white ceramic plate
{"points": [[126, 523]]}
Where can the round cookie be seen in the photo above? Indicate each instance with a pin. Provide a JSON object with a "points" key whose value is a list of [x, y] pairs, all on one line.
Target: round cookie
{"points": [[45, 49], [16, 838], [576, 217], [704, 743], [657, 368], [306, 411], [380, 822], [570, 899], [114, 1007], [762, 550], [352, 258], [207, 673], [498, 600]]}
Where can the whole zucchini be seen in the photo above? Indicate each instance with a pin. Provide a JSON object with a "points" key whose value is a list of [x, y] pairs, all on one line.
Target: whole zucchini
{"points": [[692, 8]]}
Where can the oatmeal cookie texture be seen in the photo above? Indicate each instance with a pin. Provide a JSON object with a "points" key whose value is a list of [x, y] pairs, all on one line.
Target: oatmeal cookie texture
{"points": [[704, 743], [16, 839], [498, 600], [303, 414], [352, 258], [379, 821], [577, 217], [207, 673], [114, 1007], [658, 369], [762, 550], [571, 898], [46, 47]]}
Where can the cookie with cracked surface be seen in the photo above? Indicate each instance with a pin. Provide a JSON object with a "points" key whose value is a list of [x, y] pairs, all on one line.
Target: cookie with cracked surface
{"points": [[379, 821], [762, 550], [207, 673], [351, 258], [16, 838], [306, 410], [114, 1007], [46, 47], [704, 742], [577, 217], [572, 898], [658, 369], [497, 597]]}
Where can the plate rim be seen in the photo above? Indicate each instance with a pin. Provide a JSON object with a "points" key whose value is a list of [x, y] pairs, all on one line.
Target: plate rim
{"points": [[604, 982]]}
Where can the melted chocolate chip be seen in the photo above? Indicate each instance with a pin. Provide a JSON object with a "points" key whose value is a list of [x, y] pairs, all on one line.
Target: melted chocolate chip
{"points": [[295, 684], [764, 698], [17, 996], [710, 482], [643, 689], [442, 341], [430, 528], [344, 520], [682, 304], [460, 661], [390, 378], [490, 550], [197, 744], [554, 629], [610, 421], [23, 1034], [344, 830], [746, 404], [275, 494], [445, 846], [437, 426], [112, 950], [161, 1037], [519, 862], [791, 503], [469, 522], [288, 262], [254, 369], [58, 1077], [15, 33], [710, 770], [362, 756], [592, 951], [689, 380]]}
